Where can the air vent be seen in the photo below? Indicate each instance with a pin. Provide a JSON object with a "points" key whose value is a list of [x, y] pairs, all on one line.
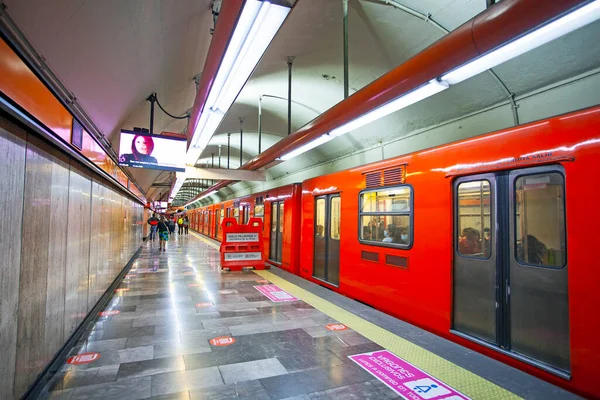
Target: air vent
{"points": [[373, 179], [396, 261], [370, 256], [393, 176], [236, 203]]}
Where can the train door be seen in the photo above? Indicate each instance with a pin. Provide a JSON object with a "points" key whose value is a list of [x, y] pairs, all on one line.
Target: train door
{"points": [[246, 214], [276, 246], [327, 238], [510, 270]]}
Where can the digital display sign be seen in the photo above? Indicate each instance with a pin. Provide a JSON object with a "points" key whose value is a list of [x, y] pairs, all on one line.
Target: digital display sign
{"points": [[144, 150]]}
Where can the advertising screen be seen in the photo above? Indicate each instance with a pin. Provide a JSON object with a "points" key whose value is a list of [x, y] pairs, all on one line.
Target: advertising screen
{"points": [[144, 150]]}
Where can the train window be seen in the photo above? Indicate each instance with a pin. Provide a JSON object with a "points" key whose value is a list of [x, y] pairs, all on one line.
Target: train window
{"points": [[236, 212], [474, 219], [259, 211], [320, 218], [281, 217], [334, 218], [385, 217], [273, 217], [540, 220]]}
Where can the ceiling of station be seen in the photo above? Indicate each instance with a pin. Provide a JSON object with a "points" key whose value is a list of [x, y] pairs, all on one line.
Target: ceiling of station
{"points": [[113, 54]]}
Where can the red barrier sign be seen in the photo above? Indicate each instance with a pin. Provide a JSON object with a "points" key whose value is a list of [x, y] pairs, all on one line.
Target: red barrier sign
{"points": [[336, 327], [222, 341], [84, 358], [242, 245]]}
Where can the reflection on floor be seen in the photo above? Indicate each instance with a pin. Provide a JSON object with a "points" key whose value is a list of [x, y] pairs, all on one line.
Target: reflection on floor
{"points": [[155, 339]]}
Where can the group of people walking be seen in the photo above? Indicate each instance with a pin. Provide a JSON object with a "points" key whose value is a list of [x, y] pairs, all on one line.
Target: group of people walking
{"points": [[162, 227]]}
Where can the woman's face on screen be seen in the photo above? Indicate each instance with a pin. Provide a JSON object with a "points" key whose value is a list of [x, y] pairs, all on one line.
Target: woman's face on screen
{"points": [[141, 146]]}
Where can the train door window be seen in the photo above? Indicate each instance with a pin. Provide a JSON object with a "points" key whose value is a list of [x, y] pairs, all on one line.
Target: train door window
{"points": [[511, 282], [540, 220], [246, 211], [275, 247], [236, 214], [474, 219], [259, 211], [385, 217], [327, 238]]}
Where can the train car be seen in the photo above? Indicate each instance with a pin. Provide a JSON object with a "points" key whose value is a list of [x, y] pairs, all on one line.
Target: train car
{"points": [[486, 242], [280, 211]]}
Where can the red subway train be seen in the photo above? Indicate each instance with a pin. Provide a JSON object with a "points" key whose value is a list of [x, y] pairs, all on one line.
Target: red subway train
{"points": [[486, 242]]}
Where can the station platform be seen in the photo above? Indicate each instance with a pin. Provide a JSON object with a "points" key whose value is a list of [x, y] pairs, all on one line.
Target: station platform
{"points": [[178, 328]]}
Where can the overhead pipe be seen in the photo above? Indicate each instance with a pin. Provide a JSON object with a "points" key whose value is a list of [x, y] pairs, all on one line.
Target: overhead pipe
{"points": [[490, 29]]}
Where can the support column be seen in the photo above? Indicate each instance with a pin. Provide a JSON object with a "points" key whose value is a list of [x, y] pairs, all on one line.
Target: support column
{"points": [[259, 123], [219, 156], [290, 60], [228, 148], [241, 140], [152, 100], [346, 82]]}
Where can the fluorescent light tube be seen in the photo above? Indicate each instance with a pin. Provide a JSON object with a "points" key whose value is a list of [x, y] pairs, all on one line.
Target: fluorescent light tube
{"points": [[429, 89], [553, 30], [254, 31], [308, 146]]}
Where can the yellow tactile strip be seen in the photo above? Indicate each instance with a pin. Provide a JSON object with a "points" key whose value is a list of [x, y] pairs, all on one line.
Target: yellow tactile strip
{"points": [[205, 240], [459, 378]]}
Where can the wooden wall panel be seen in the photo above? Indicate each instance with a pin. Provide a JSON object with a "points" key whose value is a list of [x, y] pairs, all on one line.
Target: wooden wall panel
{"points": [[12, 181], [78, 250], [34, 262]]}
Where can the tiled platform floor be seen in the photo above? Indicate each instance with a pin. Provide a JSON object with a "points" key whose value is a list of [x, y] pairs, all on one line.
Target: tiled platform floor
{"points": [[158, 345]]}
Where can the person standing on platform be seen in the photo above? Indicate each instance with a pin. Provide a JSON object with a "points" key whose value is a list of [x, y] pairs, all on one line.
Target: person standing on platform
{"points": [[172, 225], [153, 222], [163, 234], [180, 224], [186, 224]]}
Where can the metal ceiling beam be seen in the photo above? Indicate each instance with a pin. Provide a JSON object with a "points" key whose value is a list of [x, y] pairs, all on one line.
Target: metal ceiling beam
{"points": [[223, 174]]}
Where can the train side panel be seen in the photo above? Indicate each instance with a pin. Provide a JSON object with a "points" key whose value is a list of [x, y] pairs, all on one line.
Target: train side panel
{"points": [[416, 284]]}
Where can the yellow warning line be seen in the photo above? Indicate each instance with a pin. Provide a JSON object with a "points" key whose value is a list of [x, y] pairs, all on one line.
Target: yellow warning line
{"points": [[459, 378], [205, 240]]}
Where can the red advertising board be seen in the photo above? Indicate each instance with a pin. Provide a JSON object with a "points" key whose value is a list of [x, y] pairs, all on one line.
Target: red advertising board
{"points": [[242, 245]]}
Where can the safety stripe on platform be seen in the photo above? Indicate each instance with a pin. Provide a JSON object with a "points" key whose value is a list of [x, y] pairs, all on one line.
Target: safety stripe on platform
{"points": [[205, 240], [459, 378]]}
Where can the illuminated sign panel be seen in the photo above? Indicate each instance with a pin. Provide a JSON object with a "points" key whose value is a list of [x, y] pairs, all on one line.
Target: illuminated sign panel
{"points": [[144, 150]]}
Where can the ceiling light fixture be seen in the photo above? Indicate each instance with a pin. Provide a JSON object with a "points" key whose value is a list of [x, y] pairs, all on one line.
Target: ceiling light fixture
{"points": [[561, 26], [427, 90], [308, 146], [553, 30], [257, 25], [255, 29]]}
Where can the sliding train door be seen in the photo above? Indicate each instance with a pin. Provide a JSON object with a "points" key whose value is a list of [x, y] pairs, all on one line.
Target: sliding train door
{"points": [[475, 273], [539, 301], [510, 285], [276, 242], [326, 265]]}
